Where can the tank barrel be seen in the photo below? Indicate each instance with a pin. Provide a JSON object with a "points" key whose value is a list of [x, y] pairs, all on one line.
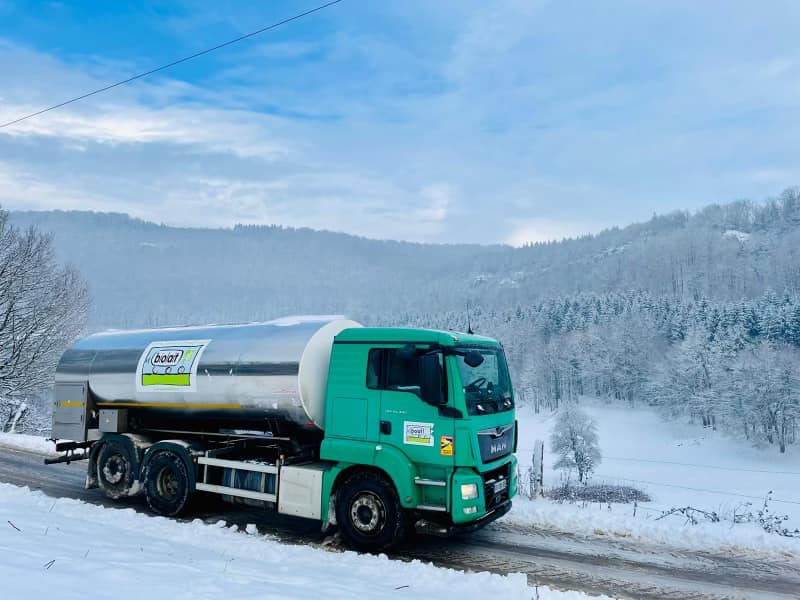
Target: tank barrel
{"points": [[250, 372]]}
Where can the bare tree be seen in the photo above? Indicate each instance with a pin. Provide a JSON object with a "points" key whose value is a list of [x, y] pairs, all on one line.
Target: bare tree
{"points": [[574, 440], [43, 308]]}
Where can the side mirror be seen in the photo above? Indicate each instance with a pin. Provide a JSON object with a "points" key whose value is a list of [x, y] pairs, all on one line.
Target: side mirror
{"points": [[473, 359], [431, 380]]}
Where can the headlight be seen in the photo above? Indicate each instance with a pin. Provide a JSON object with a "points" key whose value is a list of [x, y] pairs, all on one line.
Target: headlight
{"points": [[469, 491]]}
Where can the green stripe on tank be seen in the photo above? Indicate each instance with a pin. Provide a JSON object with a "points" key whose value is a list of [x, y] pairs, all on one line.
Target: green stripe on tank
{"points": [[179, 379]]}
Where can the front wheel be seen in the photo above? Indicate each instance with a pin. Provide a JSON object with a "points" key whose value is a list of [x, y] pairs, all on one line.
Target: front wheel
{"points": [[369, 513]]}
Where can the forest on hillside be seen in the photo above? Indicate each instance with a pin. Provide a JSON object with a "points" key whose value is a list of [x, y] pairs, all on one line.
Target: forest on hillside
{"points": [[733, 366], [698, 314]]}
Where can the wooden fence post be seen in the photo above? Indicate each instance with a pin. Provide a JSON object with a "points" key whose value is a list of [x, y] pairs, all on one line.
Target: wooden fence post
{"points": [[537, 474]]}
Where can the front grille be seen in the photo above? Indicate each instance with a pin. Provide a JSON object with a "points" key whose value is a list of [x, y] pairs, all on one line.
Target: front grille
{"points": [[496, 442], [490, 479]]}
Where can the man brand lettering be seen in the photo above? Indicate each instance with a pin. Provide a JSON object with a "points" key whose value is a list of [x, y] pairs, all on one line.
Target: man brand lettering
{"points": [[495, 442], [498, 447], [166, 358]]}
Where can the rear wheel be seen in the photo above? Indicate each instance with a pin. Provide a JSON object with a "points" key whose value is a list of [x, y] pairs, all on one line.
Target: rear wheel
{"points": [[166, 484], [369, 513], [117, 467]]}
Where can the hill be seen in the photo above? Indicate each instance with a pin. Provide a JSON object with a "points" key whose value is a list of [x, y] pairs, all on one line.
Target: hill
{"points": [[142, 273]]}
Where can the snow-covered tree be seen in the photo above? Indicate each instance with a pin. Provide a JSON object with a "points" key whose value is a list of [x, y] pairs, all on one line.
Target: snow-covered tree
{"points": [[574, 440], [42, 309]]}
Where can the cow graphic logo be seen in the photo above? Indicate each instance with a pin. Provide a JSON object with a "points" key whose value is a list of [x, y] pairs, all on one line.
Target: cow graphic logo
{"points": [[170, 366]]}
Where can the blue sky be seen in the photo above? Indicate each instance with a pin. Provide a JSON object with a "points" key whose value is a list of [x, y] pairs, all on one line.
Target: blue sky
{"points": [[458, 121]]}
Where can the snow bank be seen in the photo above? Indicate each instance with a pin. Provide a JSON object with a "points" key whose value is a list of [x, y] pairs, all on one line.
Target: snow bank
{"points": [[594, 520], [77, 550], [29, 443], [677, 465]]}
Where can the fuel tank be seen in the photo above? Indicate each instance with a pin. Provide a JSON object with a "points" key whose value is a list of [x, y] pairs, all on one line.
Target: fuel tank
{"points": [[275, 369]]}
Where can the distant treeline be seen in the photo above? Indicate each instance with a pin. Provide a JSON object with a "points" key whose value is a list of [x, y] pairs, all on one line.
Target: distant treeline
{"points": [[729, 365]]}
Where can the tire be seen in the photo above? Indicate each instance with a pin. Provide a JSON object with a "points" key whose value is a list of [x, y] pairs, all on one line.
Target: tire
{"points": [[166, 484], [369, 513], [117, 467]]}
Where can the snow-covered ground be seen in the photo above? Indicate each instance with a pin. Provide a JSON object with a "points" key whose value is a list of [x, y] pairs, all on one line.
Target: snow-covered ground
{"points": [[29, 443], [677, 465], [77, 550]]}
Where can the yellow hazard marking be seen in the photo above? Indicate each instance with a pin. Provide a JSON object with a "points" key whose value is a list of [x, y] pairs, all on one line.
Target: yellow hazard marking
{"points": [[167, 405], [446, 445], [71, 403]]}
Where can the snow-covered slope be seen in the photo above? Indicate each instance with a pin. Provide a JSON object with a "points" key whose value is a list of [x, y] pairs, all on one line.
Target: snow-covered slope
{"points": [[677, 465], [75, 550]]}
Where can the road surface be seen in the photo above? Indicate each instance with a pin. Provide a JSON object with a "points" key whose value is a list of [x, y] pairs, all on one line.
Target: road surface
{"points": [[596, 565]]}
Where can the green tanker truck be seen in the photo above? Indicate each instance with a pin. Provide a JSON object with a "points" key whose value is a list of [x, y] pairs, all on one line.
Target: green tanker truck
{"points": [[372, 430]]}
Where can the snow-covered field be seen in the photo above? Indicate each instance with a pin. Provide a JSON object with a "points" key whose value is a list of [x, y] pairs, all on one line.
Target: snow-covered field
{"points": [[677, 465], [76, 550]]}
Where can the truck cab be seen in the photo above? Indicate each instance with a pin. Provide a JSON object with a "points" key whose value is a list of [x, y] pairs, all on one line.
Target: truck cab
{"points": [[431, 413]]}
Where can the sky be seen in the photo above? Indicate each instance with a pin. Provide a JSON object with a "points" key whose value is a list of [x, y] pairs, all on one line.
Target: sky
{"points": [[450, 121]]}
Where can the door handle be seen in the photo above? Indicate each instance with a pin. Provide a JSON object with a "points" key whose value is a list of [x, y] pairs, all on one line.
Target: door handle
{"points": [[386, 427]]}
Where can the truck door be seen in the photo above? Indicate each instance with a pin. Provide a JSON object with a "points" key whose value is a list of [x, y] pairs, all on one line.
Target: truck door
{"points": [[421, 431]]}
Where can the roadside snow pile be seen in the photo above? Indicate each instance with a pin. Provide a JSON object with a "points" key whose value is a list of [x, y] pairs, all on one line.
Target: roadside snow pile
{"points": [[29, 443], [677, 466], [594, 519], [78, 550]]}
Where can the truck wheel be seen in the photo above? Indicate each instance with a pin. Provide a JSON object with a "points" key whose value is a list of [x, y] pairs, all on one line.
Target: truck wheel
{"points": [[166, 484], [369, 513], [117, 468]]}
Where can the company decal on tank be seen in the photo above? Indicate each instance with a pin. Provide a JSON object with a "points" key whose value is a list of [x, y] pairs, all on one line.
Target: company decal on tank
{"points": [[170, 366]]}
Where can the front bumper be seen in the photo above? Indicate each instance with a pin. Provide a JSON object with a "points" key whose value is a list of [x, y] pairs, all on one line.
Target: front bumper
{"points": [[425, 526]]}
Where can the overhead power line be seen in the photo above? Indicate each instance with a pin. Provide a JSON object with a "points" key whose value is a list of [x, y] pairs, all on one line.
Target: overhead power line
{"points": [[173, 63]]}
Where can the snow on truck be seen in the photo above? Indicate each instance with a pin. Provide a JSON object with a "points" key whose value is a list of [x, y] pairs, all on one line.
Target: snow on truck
{"points": [[372, 430]]}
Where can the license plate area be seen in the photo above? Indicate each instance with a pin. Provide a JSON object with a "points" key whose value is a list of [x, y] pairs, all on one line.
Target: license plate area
{"points": [[500, 486]]}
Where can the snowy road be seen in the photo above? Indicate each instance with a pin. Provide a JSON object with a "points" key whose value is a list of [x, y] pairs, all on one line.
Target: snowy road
{"points": [[619, 568]]}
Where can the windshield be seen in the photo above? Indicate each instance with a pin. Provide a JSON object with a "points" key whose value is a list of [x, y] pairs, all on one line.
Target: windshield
{"points": [[487, 387]]}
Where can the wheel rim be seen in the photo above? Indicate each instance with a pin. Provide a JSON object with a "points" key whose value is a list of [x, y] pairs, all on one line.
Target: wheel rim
{"points": [[368, 513], [167, 484], [115, 468]]}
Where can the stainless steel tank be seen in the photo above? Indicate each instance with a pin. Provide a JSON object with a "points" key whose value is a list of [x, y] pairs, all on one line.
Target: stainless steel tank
{"points": [[275, 369]]}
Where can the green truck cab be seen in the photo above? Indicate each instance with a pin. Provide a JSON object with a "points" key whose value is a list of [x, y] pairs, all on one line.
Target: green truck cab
{"points": [[431, 413]]}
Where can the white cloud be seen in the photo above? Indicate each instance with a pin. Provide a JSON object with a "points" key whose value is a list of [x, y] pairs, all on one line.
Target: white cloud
{"points": [[437, 198], [237, 132], [488, 37]]}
